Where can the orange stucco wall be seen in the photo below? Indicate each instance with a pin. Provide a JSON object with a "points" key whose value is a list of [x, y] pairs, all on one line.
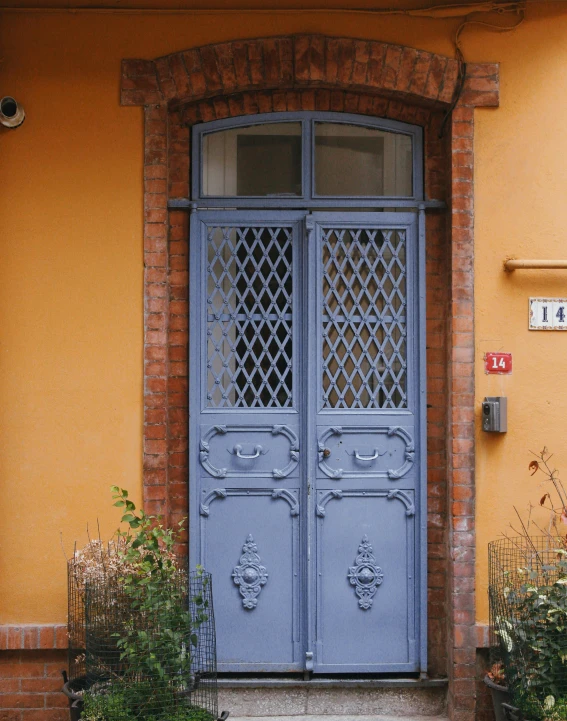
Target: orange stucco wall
{"points": [[71, 305]]}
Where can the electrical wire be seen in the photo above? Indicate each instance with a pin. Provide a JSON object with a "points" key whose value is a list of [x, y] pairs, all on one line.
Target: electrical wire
{"points": [[436, 12], [482, 23]]}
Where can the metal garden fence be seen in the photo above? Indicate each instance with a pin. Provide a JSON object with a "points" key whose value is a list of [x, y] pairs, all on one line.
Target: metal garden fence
{"points": [[528, 621], [147, 655]]}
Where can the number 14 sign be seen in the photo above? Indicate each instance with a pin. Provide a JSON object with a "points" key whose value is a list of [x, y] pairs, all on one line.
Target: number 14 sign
{"points": [[548, 313], [500, 363]]}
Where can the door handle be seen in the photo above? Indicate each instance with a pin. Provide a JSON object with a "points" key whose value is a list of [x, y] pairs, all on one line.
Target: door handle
{"points": [[366, 458], [238, 452]]}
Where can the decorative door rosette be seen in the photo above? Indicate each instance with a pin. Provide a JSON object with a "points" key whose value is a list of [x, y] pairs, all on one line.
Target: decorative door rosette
{"points": [[366, 462], [250, 575], [365, 576]]}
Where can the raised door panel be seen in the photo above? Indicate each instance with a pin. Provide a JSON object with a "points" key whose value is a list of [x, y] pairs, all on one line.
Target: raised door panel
{"points": [[249, 541], [366, 452], [245, 451], [366, 581]]}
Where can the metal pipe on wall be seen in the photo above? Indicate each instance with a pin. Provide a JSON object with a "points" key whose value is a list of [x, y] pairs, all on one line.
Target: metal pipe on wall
{"points": [[516, 264]]}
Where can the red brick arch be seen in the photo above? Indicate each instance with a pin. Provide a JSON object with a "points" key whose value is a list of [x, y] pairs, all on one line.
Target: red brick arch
{"points": [[314, 72], [296, 61]]}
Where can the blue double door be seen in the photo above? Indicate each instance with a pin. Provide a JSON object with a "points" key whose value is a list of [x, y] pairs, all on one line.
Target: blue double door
{"points": [[306, 406]]}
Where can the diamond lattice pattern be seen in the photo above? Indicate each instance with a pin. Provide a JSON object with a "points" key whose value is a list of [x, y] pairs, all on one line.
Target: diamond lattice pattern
{"points": [[364, 318], [249, 317]]}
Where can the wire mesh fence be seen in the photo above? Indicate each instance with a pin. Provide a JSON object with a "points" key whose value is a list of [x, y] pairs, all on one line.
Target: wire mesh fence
{"points": [[142, 652], [528, 622]]}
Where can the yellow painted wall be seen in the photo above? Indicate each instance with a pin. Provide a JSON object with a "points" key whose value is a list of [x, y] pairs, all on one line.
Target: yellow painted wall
{"points": [[71, 266], [520, 190]]}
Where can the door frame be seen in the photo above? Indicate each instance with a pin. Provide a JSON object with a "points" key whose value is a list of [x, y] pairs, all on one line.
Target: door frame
{"points": [[308, 199], [170, 109]]}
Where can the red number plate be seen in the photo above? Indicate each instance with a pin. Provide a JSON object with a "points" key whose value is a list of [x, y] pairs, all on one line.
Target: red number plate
{"points": [[498, 363]]}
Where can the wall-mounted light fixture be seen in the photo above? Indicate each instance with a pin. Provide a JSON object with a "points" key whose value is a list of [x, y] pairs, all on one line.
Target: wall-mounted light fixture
{"points": [[11, 112]]}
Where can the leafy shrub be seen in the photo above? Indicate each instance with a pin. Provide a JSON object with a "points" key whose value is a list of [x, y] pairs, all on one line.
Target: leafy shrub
{"points": [[141, 625], [528, 600], [534, 636], [120, 705]]}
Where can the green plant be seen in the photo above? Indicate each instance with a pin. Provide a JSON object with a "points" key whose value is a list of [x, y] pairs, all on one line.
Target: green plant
{"points": [[106, 707], [533, 625], [116, 705], [535, 634], [157, 649], [529, 601], [141, 624]]}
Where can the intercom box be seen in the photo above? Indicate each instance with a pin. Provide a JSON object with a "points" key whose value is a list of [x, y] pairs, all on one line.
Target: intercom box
{"points": [[495, 414]]}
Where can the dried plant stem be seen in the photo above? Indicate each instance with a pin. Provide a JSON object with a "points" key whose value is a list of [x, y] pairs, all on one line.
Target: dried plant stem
{"points": [[527, 537]]}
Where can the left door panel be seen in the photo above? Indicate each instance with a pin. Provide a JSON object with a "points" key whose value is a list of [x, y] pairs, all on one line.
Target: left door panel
{"points": [[245, 455]]}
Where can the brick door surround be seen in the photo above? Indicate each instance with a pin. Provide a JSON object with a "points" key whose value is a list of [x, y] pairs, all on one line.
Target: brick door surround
{"points": [[315, 72]]}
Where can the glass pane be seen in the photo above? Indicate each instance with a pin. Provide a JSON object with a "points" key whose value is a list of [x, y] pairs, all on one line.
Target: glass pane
{"points": [[256, 160], [249, 317], [353, 160], [364, 318]]}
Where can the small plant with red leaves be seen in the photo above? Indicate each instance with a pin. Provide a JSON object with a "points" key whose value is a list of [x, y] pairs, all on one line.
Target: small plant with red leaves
{"points": [[497, 674]]}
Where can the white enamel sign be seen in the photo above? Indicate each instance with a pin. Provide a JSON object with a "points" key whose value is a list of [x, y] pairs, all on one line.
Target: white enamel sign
{"points": [[548, 313]]}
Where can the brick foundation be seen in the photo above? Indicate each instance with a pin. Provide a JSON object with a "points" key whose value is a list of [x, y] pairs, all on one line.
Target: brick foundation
{"points": [[30, 685]]}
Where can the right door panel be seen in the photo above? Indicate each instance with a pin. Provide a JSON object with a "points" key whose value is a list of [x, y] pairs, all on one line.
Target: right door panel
{"points": [[365, 591], [366, 415]]}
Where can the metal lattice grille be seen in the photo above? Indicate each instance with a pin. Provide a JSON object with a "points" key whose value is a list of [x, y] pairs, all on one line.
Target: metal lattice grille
{"points": [[249, 317], [364, 318]]}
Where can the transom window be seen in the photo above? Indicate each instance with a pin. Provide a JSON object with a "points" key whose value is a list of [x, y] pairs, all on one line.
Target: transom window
{"points": [[314, 158]]}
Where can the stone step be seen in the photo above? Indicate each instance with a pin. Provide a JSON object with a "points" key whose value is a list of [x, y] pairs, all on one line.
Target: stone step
{"points": [[360, 702]]}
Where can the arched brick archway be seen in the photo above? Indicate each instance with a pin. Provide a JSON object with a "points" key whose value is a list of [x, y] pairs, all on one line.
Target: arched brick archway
{"points": [[281, 63], [313, 72]]}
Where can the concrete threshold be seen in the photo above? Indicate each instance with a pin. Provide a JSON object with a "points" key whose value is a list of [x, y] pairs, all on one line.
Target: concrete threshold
{"points": [[330, 682], [373, 700]]}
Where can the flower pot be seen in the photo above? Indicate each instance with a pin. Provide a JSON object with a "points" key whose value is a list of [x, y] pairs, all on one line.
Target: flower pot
{"points": [[500, 695], [511, 713]]}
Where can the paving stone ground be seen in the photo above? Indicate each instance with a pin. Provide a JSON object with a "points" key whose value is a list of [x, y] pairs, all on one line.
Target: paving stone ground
{"points": [[337, 718]]}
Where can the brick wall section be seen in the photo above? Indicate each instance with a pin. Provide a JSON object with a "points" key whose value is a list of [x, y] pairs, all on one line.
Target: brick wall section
{"points": [[481, 88], [28, 637], [30, 685], [461, 575], [285, 62], [156, 311]]}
